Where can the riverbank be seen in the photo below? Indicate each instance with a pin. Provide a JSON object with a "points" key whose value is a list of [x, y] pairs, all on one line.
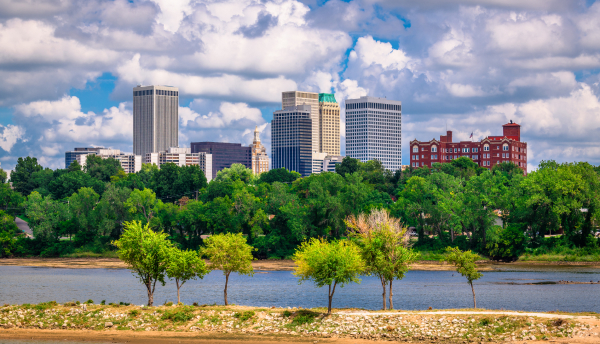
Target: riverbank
{"points": [[276, 265], [233, 324]]}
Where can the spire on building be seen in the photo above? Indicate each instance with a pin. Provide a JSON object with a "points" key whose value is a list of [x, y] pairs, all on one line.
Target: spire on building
{"points": [[256, 136]]}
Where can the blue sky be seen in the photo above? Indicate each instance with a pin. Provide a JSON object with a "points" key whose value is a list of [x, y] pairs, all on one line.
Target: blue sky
{"points": [[68, 67]]}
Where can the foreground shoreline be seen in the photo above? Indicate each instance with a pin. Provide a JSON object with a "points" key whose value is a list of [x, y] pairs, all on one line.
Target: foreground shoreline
{"points": [[237, 324], [275, 265]]}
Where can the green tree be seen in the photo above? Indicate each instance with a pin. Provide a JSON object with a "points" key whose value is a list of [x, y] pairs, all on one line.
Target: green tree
{"points": [[143, 205], [383, 243], [113, 212], [74, 166], [8, 233], [464, 261], [281, 175], [347, 166], [102, 169], [505, 243], [328, 264], [3, 176], [146, 254], [68, 183], [82, 206], [229, 253], [45, 215], [234, 173], [10, 200], [183, 266], [21, 175]]}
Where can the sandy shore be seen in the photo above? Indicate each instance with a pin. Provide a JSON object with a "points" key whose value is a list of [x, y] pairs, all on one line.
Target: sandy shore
{"points": [[270, 265], [221, 325]]}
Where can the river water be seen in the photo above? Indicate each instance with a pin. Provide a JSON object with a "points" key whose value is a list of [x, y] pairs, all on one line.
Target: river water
{"points": [[418, 290]]}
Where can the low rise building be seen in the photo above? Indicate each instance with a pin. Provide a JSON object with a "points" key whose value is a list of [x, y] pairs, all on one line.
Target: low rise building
{"points": [[130, 163], [488, 152], [224, 154], [182, 157]]}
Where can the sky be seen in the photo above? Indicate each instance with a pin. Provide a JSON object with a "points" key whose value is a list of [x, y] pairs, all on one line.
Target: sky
{"points": [[67, 68]]}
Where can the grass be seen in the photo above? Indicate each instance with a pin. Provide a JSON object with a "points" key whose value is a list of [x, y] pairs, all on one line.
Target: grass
{"points": [[89, 254], [558, 257]]}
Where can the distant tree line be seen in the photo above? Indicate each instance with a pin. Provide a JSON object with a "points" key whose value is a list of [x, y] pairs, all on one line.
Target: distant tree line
{"points": [[498, 213]]}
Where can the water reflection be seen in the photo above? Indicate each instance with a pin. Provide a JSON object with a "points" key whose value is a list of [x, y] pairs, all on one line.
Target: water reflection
{"points": [[419, 290]]}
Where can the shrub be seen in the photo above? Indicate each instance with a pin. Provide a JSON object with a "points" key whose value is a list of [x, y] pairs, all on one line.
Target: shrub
{"points": [[183, 314], [244, 315], [134, 313], [90, 301], [505, 244], [103, 302], [304, 317]]}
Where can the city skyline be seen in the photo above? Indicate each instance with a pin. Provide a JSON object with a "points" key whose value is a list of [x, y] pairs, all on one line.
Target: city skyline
{"points": [[459, 65]]}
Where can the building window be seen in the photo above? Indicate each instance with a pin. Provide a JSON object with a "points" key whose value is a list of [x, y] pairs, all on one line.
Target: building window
{"points": [[465, 150], [434, 149], [474, 157], [505, 147], [486, 148], [475, 150], [415, 149]]}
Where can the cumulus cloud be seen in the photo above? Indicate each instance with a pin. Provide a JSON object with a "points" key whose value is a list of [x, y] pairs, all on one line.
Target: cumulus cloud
{"points": [[472, 64], [9, 136]]}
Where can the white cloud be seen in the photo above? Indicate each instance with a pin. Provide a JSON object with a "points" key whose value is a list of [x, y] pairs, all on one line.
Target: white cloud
{"points": [[464, 91], [9, 136], [230, 115]]}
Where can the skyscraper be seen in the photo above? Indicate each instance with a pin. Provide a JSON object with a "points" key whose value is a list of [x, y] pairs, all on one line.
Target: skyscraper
{"points": [[329, 124], [155, 119], [292, 139], [295, 98], [374, 130]]}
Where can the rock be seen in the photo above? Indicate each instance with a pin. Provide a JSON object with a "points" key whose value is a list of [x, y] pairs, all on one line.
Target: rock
{"points": [[108, 324]]}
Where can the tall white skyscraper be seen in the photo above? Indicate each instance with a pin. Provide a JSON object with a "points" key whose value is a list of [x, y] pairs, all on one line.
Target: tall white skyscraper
{"points": [[374, 130], [155, 119]]}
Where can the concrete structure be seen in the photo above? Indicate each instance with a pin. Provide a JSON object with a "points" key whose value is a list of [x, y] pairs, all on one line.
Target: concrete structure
{"points": [[130, 163], [296, 98], [331, 161], [224, 154], [323, 162], [155, 119], [292, 139], [329, 124], [488, 152], [260, 159], [71, 156], [374, 131], [182, 157]]}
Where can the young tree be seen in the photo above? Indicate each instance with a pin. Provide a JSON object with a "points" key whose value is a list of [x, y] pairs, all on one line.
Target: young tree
{"points": [[234, 173], [383, 243], [229, 253], [146, 253], [21, 175], [328, 264], [464, 261], [184, 266]]}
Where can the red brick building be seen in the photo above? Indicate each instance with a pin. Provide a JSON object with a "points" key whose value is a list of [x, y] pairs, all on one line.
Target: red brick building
{"points": [[488, 152]]}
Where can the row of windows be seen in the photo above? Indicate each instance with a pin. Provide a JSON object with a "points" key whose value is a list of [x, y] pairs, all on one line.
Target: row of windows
{"points": [[486, 148], [368, 105], [158, 93]]}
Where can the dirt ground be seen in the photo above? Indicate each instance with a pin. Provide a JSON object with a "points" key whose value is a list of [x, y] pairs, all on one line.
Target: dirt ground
{"points": [[151, 337], [266, 265]]}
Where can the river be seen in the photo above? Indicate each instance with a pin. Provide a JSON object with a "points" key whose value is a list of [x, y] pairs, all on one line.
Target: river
{"points": [[417, 291]]}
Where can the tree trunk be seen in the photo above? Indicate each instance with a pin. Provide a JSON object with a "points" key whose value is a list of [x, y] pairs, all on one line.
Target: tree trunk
{"points": [[383, 284], [452, 235], [474, 301], [331, 292], [178, 286], [226, 281], [391, 304], [150, 295]]}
